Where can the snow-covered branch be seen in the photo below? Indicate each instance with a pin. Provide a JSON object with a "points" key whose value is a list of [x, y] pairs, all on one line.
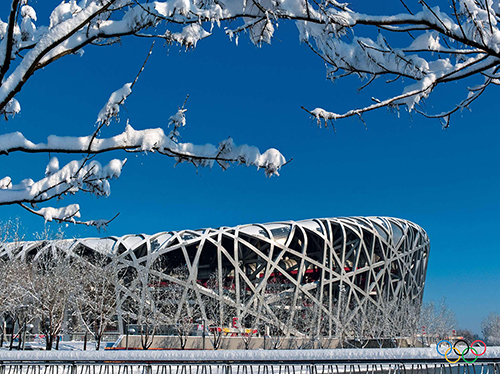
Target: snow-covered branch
{"points": [[440, 47], [465, 34], [82, 175], [90, 176], [150, 140], [73, 26]]}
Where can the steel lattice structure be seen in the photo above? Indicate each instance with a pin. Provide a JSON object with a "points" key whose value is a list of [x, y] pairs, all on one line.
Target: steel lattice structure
{"points": [[329, 269]]}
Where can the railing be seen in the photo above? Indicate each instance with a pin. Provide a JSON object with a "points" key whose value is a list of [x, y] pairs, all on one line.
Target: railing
{"points": [[246, 368]]}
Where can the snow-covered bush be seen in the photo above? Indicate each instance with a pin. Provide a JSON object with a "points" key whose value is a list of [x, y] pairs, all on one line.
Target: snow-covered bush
{"points": [[490, 327]]}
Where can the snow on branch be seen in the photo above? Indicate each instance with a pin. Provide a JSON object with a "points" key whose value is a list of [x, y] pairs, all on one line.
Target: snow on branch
{"points": [[83, 175], [150, 140], [463, 34], [112, 107], [432, 47], [71, 178], [90, 176], [71, 27], [439, 43], [441, 48]]}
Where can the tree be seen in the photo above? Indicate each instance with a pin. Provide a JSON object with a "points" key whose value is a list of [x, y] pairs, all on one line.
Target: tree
{"points": [[308, 320], [425, 47], [7, 291], [218, 306], [13, 297], [490, 327], [440, 47], [247, 321], [147, 298], [96, 301], [26, 48], [380, 327], [4, 297], [280, 300], [180, 305], [437, 320], [467, 335], [50, 287], [15, 301]]}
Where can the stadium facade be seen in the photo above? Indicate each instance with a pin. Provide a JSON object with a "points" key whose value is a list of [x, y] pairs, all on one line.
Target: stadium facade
{"points": [[316, 272]]}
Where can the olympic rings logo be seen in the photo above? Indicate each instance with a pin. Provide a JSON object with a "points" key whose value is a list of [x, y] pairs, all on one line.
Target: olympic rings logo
{"points": [[455, 348]]}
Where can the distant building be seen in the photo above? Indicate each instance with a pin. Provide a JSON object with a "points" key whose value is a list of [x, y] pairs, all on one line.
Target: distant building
{"points": [[327, 270]]}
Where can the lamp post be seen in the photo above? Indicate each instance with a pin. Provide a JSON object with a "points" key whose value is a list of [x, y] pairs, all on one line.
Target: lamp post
{"points": [[132, 331], [126, 333], [266, 334], [203, 333]]}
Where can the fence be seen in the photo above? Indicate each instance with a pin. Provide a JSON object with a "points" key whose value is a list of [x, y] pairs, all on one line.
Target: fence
{"points": [[246, 368]]}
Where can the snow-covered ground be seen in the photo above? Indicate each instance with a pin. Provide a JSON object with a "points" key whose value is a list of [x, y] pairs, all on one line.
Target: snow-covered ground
{"points": [[238, 355]]}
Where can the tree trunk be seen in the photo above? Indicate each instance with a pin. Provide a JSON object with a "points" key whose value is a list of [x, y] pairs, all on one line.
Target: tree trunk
{"points": [[57, 342], [48, 342], [145, 337], [98, 334], [85, 341], [12, 337], [217, 340]]}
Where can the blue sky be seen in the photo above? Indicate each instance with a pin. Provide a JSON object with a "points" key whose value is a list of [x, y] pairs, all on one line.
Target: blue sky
{"points": [[407, 167]]}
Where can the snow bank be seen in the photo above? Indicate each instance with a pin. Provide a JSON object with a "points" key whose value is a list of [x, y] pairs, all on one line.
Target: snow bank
{"points": [[314, 355]]}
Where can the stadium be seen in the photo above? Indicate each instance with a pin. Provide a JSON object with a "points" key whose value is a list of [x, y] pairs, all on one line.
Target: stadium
{"points": [[310, 277]]}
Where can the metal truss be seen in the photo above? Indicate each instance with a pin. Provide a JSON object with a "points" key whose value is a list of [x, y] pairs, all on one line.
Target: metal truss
{"points": [[293, 276]]}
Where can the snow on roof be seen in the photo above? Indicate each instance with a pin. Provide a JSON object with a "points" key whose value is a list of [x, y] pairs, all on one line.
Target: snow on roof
{"points": [[134, 240], [389, 229], [312, 225], [254, 230], [104, 245], [279, 230], [160, 239]]}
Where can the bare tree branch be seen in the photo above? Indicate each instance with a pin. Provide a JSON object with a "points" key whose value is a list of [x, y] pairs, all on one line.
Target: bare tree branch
{"points": [[10, 39]]}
